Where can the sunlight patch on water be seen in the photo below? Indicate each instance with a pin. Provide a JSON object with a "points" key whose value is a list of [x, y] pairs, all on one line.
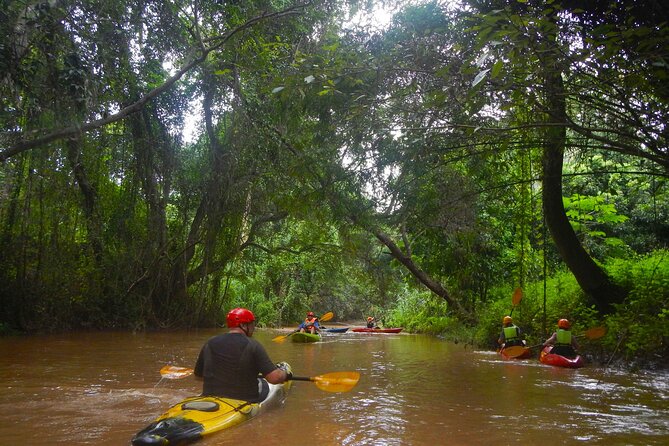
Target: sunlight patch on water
{"points": [[626, 421]]}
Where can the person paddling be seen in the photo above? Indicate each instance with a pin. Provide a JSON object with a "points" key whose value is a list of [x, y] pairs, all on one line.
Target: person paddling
{"points": [[230, 364], [371, 322], [564, 344], [510, 334], [310, 324]]}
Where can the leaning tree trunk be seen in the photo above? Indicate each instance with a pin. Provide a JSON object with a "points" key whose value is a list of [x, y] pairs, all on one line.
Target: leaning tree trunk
{"points": [[434, 286], [593, 280]]}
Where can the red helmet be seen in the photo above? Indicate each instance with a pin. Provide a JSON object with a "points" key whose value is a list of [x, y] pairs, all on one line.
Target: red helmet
{"points": [[239, 316], [311, 314], [564, 324]]}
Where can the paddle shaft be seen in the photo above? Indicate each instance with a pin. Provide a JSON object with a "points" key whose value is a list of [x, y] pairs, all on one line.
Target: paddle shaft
{"points": [[301, 378], [592, 334]]}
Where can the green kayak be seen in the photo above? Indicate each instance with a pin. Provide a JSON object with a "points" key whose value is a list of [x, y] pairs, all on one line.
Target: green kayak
{"points": [[305, 337]]}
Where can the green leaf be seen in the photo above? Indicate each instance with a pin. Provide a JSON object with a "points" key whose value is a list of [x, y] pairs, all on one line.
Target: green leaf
{"points": [[496, 69]]}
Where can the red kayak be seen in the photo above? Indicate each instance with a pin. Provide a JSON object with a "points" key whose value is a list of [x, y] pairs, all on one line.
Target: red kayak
{"points": [[376, 330], [549, 358]]}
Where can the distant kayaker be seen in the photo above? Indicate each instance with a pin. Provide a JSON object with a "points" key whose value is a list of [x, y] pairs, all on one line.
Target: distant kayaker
{"points": [[230, 364], [371, 322], [564, 343], [510, 335], [310, 324]]}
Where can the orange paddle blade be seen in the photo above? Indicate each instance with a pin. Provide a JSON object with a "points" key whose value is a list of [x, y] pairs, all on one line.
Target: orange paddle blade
{"points": [[336, 381], [595, 332], [326, 317], [515, 351], [175, 372], [517, 296]]}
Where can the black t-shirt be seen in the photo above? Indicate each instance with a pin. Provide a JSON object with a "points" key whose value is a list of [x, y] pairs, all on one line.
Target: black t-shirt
{"points": [[230, 364]]}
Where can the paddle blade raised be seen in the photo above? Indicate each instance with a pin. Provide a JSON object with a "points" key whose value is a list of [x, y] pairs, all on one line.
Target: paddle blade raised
{"points": [[595, 332], [517, 296], [175, 372], [326, 317]]}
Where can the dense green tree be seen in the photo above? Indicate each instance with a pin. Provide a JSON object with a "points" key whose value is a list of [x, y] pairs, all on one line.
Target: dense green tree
{"points": [[334, 167]]}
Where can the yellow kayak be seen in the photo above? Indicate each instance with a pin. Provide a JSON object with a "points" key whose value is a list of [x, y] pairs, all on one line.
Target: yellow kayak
{"points": [[197, 416]]}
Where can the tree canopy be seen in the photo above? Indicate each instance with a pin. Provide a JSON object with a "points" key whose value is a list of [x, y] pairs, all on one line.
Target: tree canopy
{"points": [[463, 147]]}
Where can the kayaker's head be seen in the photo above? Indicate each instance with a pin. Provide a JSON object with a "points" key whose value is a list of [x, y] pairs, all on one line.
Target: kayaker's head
{"points": [[241, 320], [311, 314], [564, 324], [507, 321], [370, 318]]}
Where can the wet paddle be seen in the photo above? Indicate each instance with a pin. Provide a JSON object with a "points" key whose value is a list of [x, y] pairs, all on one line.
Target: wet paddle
{"points": [[326, 317], [517, 350], [329, 382], [332, 382], [175, 372]]}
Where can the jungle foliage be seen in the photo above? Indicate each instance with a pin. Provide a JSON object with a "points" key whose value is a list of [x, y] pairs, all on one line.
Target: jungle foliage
{"points": [[165, 161]]}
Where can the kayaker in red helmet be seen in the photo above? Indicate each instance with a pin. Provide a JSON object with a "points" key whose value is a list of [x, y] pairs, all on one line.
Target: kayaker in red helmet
{"points": [[310, 324], [564, 343], [230, 363], [510, 335]]}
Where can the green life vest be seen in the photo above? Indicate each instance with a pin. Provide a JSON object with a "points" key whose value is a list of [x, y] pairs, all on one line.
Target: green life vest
{"points": [[510, 333], [563, 337]]}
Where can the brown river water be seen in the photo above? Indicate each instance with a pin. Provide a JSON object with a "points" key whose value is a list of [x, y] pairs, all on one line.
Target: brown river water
{"points": [[101, 388]]}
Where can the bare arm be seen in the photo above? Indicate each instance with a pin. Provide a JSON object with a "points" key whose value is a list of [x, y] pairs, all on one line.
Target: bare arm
{"points": [[276, 376], [551, 340]]}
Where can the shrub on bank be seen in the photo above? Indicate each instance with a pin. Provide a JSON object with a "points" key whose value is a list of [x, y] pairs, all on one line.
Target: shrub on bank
{"points": [[637, 332]]}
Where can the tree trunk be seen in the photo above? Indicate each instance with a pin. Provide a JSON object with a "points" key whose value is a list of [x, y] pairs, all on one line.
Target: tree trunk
{"points": [[419, 274], [593, 280], [89, 198]]}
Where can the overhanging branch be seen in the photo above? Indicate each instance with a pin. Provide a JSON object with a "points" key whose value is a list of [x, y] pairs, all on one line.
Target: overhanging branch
{"points": [[68, 132]]}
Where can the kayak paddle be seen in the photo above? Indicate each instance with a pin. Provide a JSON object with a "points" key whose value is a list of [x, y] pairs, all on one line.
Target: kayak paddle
{"points": [[175, 372], [326, 317], [594, 333], [517, 350], [332, 382]]}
